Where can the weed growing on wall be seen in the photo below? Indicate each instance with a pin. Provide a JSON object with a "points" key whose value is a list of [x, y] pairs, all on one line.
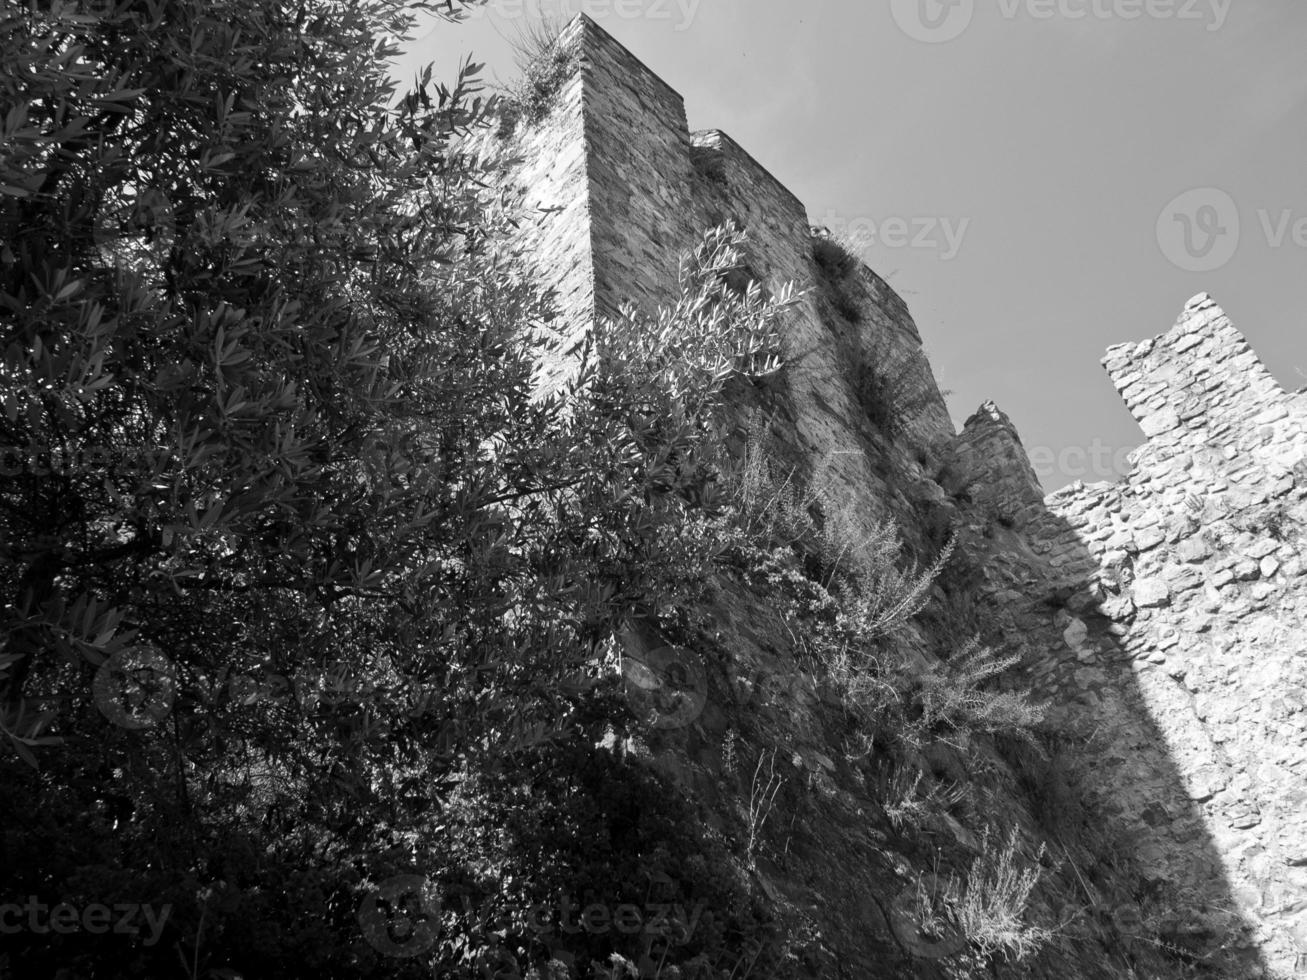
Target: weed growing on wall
{"points": [[893, 385], [544, 64], [848, 593], [838, 262], [957, 696]]}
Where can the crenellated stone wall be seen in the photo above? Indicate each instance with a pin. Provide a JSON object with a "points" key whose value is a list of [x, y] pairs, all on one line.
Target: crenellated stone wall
{"points": [[989, 453], [1199, 387], [1168, 615], [613, 189], [1161, 617]]}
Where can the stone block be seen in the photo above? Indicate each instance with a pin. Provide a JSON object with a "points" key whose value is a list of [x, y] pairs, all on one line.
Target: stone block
{"points": [[1151, 593]]}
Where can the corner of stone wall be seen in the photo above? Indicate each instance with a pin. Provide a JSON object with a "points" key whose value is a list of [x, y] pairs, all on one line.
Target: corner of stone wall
{"points": [[637, 148], [989, 462], [543, 187], [1200, 385]]}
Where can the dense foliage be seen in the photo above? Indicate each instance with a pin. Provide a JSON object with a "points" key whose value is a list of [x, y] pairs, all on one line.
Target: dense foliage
{"points": [[312, 605], [303, 589]]}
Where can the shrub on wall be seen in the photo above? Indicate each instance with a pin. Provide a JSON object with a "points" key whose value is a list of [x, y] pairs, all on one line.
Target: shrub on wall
{"points": [[838, 263], [991, 904], [544, 65], [893, 385]]}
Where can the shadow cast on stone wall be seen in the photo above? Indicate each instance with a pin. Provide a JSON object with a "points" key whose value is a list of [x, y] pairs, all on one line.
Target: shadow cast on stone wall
{"points": [[1163, 619], [1115, 799], [1161, 616]]}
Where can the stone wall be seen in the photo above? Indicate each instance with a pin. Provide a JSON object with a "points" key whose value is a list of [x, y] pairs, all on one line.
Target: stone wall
{"points": [[1168, 611], [988, 456], [638, 152], [1161, 617], [544, 189], [614, 189], [1199, 387]]}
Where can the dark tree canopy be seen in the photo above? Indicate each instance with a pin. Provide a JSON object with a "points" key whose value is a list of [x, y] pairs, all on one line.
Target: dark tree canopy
{"points": [[302, 588]]}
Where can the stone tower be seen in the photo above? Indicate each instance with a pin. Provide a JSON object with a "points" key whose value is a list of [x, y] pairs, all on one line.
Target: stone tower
{"points": [[1162, 617], [614, 188]]}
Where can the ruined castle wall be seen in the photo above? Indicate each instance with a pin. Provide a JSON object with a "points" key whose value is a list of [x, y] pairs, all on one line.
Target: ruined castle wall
{"points": [[817, 421], [1198, 387], [780, 238], [616, 189], [1167, 616], [822, 421], [637, 144], [1163, 616], [997, 470]]}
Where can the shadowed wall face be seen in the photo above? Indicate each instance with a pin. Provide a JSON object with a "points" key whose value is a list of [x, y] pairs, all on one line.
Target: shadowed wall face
{"points": [[1175, 638]]}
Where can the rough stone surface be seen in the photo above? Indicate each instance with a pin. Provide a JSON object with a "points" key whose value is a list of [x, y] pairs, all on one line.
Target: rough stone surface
{"points": [[612, 188], [1224, 592], [1161, 617]]}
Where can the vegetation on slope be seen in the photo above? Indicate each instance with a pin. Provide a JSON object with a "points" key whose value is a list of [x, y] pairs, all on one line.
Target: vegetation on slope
{"points": [[310, 608]]}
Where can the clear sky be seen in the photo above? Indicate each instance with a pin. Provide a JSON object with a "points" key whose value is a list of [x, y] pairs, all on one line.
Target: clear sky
{"points": [[1039, 179]]}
